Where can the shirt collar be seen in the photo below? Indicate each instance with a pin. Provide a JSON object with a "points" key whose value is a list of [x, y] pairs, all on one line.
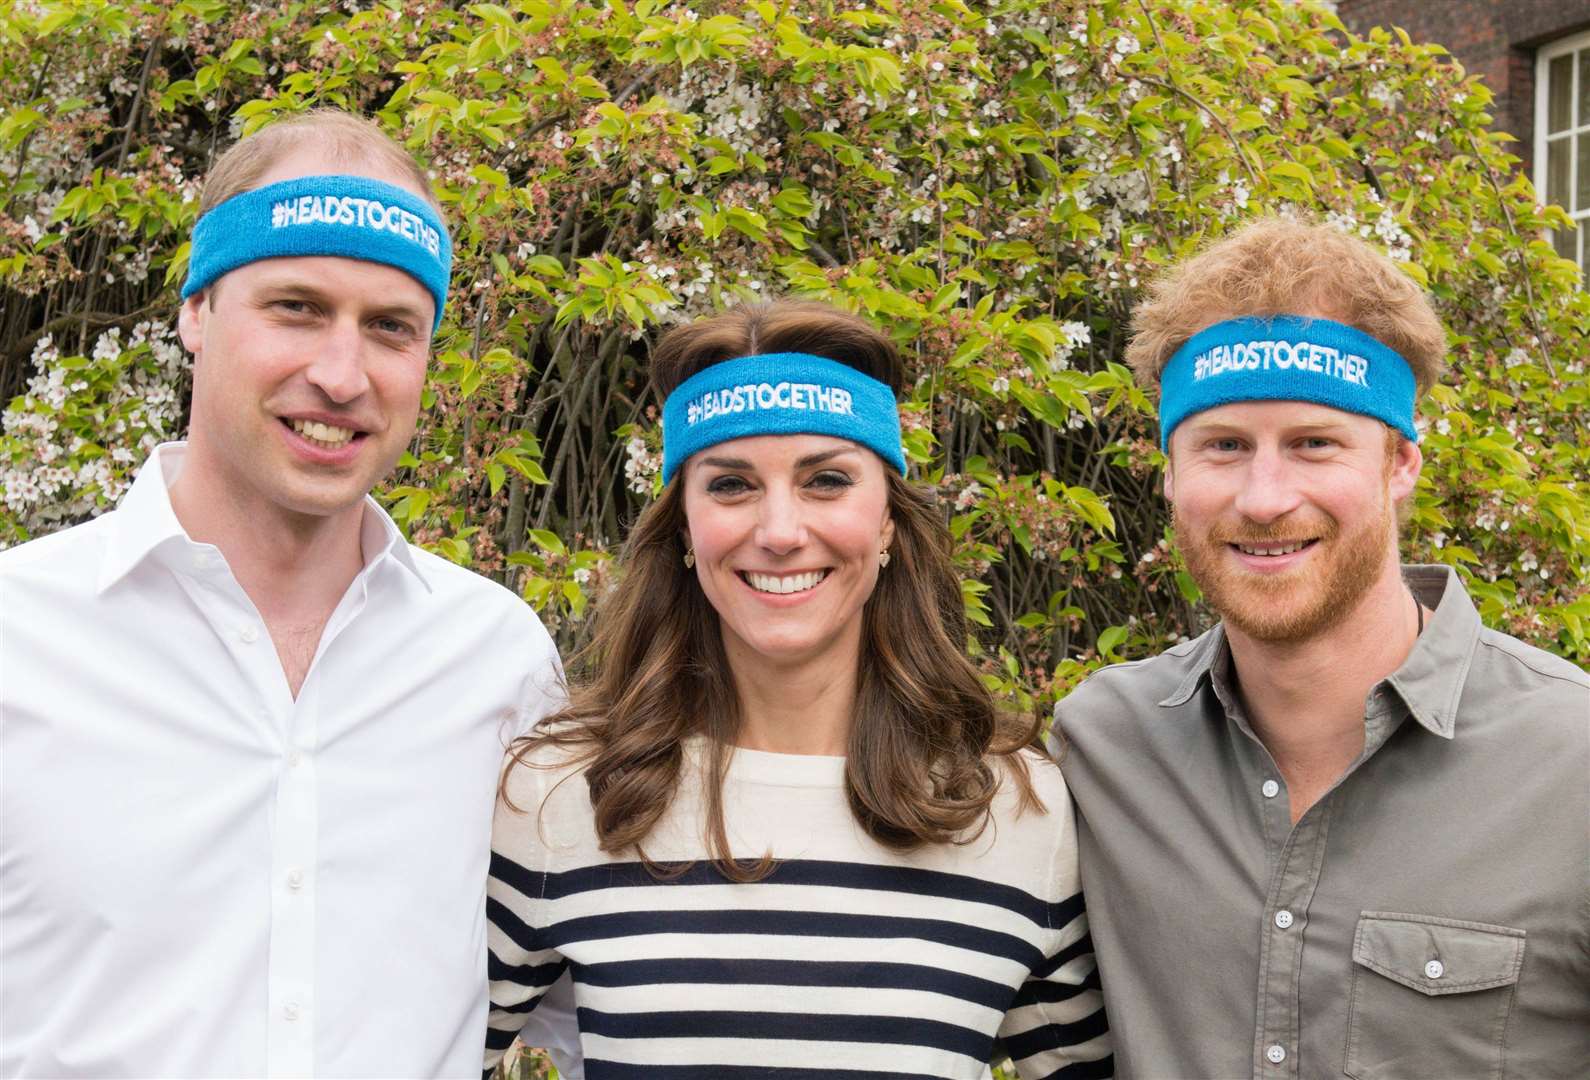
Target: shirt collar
{"points": [[379, 535], [1430, 681], [145, 522], [1201, 655]]}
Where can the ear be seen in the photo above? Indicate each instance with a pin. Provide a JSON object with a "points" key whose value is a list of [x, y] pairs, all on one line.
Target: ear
{"points": [[886, 536], [190, 323], [1170, 479], [1405, 467]]}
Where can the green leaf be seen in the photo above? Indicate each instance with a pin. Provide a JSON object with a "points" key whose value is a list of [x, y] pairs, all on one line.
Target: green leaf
{"points": [[548, 541], [1111, 639]]}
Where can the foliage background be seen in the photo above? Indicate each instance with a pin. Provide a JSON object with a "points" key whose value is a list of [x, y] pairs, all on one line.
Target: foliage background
{"points": [[992, 183]]}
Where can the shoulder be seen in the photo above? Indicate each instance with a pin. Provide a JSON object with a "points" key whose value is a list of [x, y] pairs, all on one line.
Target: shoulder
{"points": [[487, 601], [1523, 693], [452, 581], [544, 805], [534, 774], [1048, 783], [76, 551], [1549, 672], [52, 578], [1124, 693], [528, 762], [1034, 849]]}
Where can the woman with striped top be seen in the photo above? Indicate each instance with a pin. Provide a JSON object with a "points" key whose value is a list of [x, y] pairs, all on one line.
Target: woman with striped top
{"points": [[781, 829]]}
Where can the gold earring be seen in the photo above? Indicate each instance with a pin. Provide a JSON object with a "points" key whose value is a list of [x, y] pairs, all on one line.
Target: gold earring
{"points": [[690, 558], [883, 558]]}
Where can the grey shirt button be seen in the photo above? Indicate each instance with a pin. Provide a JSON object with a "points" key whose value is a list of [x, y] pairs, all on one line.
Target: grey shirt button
{"points": [[1275, 1053], [1434, 969], [1270, 789], [1283, 919]]}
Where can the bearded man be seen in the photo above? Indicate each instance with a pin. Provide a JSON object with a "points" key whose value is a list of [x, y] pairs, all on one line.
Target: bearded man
{"points": [[1345, 830]]}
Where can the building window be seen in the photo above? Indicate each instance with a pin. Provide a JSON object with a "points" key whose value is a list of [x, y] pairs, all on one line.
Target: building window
{"points": [[1562, 140]]}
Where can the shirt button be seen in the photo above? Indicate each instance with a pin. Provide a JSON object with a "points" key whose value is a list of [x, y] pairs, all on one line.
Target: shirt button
{"points": [[248, 635], [290, 1010], [1271, 789], [1434, 969], [1283, 918], [295, 759], [295, 879], [1275, 1053]]}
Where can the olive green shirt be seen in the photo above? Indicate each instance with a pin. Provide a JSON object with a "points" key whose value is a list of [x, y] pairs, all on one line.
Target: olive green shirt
{"points": [[1428, 917]]}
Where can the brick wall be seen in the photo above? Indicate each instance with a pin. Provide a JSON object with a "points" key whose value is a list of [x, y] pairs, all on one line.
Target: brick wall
{"points": [[1495, 39]]}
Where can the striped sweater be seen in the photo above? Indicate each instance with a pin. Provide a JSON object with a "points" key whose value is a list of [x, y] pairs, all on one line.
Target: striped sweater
{"points": [[848, 960]]}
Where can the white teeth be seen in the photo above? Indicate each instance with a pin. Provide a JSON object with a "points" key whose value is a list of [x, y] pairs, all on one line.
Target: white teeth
{"points": [[1285, 549], [323, 435], [772, 583]]}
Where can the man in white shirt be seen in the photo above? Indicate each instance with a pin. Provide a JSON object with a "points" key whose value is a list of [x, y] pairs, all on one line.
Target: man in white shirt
{"points": [[251, 737]]}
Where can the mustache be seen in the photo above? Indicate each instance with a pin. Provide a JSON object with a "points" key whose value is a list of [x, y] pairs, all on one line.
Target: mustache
{"points": [[1279, 532]]}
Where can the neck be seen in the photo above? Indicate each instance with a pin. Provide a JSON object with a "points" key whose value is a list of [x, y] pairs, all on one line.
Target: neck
{"points": [[801, 707], [294, 567], [1305, 699]]}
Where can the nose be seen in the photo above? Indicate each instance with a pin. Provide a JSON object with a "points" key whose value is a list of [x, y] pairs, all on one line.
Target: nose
{"points": [[1269, 490], [338, 366], [779, 528]]}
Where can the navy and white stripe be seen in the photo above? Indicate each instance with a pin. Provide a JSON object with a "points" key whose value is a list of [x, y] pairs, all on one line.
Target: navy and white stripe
{"points": [[847, 960]]}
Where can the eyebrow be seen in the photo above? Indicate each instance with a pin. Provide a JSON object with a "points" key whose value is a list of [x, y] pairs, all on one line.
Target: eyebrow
{"points": [[1226, 430], [826, 455], [406, 311], [298, 290], [804, 463]]}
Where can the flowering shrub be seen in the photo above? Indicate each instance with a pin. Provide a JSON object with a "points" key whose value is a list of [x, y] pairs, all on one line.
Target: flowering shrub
{"points": [[84, 423], [992, 183]]}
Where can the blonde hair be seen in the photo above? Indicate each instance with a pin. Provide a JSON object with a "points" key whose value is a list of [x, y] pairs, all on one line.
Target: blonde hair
{"points": [[351, 140], [1274, 266]]}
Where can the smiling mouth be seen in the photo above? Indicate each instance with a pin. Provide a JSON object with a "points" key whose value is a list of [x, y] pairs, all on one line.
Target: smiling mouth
{"points": [[1274, 550], [783, 583], [325, 436]]}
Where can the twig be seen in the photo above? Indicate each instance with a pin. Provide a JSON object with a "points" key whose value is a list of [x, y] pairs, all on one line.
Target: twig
{"points": [[102, 240], [1169, 84], [1529, 287]]}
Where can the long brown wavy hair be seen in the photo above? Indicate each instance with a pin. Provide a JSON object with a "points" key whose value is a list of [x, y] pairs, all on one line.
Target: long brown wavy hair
{"points": [[920, 765]]}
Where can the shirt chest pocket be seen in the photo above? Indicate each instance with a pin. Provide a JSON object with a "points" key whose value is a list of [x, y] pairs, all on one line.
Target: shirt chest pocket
{"points": [[1430, 997]]}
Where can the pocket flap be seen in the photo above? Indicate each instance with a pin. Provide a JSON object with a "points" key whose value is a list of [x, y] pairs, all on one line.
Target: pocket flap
{"points": [[1438, 956]]}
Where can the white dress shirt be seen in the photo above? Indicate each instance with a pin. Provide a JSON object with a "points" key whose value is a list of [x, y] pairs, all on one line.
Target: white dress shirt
{"points": [[200, 875]]}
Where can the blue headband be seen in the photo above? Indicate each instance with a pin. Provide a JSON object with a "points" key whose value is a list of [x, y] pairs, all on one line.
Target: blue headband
{"points": [[779, 394], [1286, 358], [352, 216]]}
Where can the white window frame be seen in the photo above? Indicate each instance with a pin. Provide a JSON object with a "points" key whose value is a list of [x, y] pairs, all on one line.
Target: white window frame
{"points": [[1543, 58]]}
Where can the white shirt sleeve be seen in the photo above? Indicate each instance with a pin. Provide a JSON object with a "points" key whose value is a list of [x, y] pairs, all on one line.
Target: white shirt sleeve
{"points": [[553, 1028]]}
